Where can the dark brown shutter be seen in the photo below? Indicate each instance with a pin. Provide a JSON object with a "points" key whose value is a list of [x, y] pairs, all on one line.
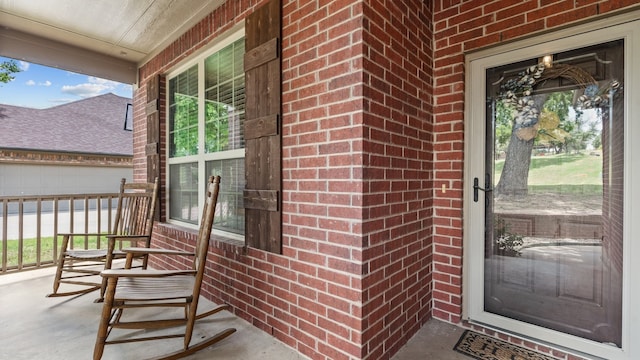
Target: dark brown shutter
{"points": [[152, 149], [263, 159], [152, 110]]}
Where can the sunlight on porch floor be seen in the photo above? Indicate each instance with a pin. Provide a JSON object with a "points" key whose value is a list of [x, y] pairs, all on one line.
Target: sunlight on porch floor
{"points": [[35, 327]]}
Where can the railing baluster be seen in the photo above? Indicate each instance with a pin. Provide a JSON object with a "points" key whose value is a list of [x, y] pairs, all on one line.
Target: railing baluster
{"points": [[5, 239], [20, 232], [71, 218], [86, 221], [99, 220], [110, 225], [56, 202], [23, 230], [38, 232]]}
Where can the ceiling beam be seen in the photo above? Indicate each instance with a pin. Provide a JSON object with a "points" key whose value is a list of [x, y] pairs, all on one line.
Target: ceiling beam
{"points": [[35, 49]]}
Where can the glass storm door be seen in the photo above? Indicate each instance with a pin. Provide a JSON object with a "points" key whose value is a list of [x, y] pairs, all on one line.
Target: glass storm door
{"points": [[553, 208], [551, 223]]}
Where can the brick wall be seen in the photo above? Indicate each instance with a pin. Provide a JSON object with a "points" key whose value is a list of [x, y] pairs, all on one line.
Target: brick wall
{"points": [[353, 281], [372, 166], [397, 173], [357, 172], [459, 27], [322, 178], [139, 134]]}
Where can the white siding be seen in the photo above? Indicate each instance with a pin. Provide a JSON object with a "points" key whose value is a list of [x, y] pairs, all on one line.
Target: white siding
{"points": [[21, 179]]}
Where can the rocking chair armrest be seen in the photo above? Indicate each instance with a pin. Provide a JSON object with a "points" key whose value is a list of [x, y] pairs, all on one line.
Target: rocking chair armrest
{"points": [[155, 251], [138, 273], [113, 238]]}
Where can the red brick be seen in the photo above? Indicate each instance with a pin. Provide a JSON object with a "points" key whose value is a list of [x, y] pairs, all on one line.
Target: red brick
{"points": [[571, 16], [360, 87]]}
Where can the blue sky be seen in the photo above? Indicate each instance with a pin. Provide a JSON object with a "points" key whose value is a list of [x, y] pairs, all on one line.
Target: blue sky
{"points": [[40, 87]]}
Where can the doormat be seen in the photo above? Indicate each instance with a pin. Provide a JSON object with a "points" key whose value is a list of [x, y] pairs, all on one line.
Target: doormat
{"points": [[483, 347]]}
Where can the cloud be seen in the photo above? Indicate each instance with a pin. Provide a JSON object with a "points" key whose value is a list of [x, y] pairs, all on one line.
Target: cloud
{"points": [[23, 65], [94, 86], [33, 83], [84, 90], [109, 83]]}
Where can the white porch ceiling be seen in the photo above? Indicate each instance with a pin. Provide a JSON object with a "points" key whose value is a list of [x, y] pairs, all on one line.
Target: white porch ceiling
{"points": [[72, 34]]}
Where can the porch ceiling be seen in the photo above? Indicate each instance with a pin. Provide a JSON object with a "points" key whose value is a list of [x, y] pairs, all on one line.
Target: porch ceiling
{"points": [[83, 36]]}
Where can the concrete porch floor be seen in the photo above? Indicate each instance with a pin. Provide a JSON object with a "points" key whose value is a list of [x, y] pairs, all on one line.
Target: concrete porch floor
{"points": [[35, 327]]}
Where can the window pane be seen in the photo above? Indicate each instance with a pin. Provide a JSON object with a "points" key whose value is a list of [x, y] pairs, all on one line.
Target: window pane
{"points": [[230, 210], [224, 98], [221, 121], [553, 222], [183, 113], [184, 192]]}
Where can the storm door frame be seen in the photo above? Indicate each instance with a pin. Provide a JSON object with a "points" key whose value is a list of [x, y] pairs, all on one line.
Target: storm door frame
{"points": [[625, 26]]}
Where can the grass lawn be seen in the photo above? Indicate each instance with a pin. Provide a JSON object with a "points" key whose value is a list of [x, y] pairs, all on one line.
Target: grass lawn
{"points": [[573, 173], [30, 250]]}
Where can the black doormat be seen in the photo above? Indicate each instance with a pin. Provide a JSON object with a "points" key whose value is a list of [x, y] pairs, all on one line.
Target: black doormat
{"points": [[483, 347]]}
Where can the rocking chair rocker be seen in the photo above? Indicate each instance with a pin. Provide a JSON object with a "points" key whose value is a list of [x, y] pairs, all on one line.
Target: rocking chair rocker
{"points": [[133, 288]]}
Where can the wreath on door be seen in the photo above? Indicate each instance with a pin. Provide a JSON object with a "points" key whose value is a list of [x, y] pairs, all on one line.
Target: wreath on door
{"points": [[518, 92]]}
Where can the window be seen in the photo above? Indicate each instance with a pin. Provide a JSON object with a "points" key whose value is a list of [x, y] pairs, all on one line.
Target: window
{"points": [[206, 113]]}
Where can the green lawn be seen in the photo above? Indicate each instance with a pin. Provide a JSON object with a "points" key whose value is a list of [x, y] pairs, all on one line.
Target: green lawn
{"points": [[46, 245], [575, 173]]}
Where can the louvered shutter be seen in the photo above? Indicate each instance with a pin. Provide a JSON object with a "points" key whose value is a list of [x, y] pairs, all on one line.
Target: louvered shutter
{"points": [[263, 159]]}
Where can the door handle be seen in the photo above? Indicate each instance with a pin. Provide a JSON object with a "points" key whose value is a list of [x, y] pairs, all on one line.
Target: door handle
{"points": [[477, 187]]}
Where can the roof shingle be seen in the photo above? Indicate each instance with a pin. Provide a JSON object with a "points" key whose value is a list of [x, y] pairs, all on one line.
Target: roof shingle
{"points": [[93, 125]]}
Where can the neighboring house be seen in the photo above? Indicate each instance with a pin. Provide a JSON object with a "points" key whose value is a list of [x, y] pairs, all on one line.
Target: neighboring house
{"points": [[367, 159], [79, 147]]}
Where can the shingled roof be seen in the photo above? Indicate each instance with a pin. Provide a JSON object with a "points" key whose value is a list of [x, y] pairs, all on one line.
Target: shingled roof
{"points": [[90, 126]]}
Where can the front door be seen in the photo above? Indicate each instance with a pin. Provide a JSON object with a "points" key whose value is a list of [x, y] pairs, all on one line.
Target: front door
{"points": [[546, 193]]}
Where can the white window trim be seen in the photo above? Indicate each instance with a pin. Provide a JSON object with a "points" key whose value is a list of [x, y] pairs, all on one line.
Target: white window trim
{"points": [[216, 45]]}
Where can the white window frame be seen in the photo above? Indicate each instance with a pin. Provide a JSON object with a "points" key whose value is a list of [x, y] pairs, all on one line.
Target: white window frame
{"points": [[201, 158]]}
